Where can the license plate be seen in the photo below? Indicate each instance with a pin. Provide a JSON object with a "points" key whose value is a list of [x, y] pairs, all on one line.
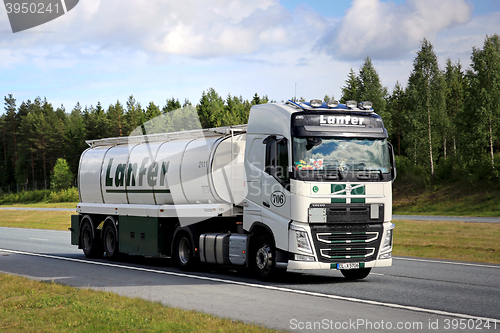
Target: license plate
{"points": [[348, 265]]}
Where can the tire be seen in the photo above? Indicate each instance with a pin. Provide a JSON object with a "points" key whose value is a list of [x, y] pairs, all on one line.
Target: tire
{"points": [[92, 247], [355, 274], [263, 258], [110, 242], [184, 252]]}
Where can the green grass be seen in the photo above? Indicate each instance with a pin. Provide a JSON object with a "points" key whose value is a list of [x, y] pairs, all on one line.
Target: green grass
{"points": [[32, 306], [52, 196], [42, 205], [54, 220], [458, 199], [477, 242]]}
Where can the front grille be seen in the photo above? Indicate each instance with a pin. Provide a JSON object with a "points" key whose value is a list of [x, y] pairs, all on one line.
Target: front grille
{"points": [[346, 243], [347, 237], [347, 253]]}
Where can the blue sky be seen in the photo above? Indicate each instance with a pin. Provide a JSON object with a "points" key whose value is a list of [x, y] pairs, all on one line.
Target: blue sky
{"points": [[106, 50]]}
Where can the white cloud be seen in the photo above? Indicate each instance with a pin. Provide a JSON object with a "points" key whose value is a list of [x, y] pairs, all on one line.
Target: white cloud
{"points": [[385, 30], [457, 43], [194, 28]]}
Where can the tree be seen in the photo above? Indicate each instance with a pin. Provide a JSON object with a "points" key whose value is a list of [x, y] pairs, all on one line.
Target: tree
{"points": [[152, 111], [8, 129], [485, 89], [455, 99], [351, 90], [426, 88], [61, 176], [255, 99], [211, 109], [205, 111], [172, 104], [328, 98], [134, 116], [370, 89], [74, 137], [396, 108], [115, 120]]}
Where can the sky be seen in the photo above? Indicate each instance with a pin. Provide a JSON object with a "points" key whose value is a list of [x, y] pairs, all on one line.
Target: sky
{"points": [[106, 50]]}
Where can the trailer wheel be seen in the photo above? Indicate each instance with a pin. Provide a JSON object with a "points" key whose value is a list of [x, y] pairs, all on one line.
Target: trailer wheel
{"points": [[184, 252], [110, 243], [263, 258], [355, 274], [92, 247]]}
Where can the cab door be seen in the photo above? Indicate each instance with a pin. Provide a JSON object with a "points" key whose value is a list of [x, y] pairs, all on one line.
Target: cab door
{"points": [[275, 194]]}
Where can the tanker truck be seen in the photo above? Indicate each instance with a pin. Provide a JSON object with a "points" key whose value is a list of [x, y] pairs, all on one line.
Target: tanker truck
{"points": [[304, 185]]}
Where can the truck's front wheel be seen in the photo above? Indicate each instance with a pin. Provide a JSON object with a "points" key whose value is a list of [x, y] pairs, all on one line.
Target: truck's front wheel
{"points": [[184, 252], [263, 258], [355, 274], [92, 247]]}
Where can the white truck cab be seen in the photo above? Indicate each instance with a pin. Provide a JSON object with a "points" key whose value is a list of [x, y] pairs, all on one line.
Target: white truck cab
{"points": [[319, 178]]}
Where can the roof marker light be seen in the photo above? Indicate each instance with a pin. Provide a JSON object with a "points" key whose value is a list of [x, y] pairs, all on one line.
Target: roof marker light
{"points": [[315, 103], [366, 105], [351, 104], [332, 103]]}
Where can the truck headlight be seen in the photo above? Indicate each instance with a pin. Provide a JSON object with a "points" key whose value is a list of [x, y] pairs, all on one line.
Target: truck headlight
{"points": [[302, 239], [387, 244]]}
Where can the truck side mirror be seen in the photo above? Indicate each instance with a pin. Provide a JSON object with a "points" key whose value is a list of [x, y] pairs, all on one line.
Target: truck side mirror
{"points": [[393, 162]]}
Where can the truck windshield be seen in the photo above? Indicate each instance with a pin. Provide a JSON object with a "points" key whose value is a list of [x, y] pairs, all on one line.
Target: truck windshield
{"points": [[340, 154]]}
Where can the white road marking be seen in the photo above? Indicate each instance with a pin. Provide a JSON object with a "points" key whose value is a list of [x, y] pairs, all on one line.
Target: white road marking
{"points": [[448, 262], [246, 284], [40, 239]]}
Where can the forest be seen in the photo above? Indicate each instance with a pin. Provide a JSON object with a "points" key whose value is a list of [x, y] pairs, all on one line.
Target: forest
{"points": [[444, 123]]}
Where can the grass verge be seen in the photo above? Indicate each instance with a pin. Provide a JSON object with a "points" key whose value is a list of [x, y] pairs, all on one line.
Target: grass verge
{"points": [[463, 241], [69, 195], [42, 205], [457, 199], [33, 306], [54, 220]]}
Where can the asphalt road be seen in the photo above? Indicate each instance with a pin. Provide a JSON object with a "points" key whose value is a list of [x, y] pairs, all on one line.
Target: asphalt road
{"points": [[413, 293]]}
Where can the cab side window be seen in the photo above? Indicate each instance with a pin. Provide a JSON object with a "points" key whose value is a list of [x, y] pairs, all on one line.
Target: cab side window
{"points": [[277, 160]]}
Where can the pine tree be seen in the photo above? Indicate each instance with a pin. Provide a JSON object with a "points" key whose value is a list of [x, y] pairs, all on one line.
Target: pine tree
{"points": [[351, 90], [370, 89], [172, 104], [205, 111], [74, 138], [255, 99], [9, 128], [134, 117], [115, 118]]}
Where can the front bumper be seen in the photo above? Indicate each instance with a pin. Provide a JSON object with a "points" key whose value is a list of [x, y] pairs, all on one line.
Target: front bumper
{"points": [[299, 265]]}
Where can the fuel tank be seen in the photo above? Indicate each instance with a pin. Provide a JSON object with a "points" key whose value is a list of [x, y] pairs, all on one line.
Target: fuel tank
{"points": [[207, 167]]}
